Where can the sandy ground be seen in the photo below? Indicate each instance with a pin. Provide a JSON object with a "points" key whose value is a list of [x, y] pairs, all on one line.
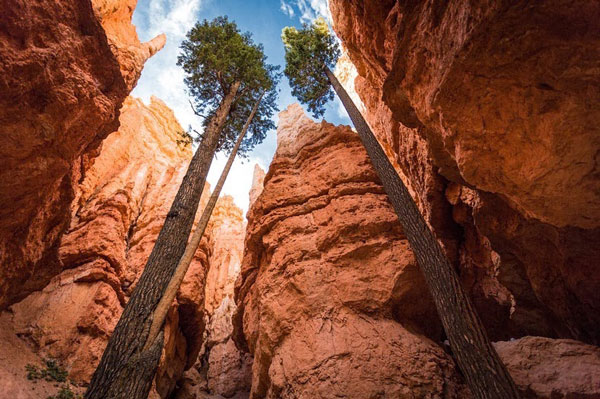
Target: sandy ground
{"points": [[15, 354]]}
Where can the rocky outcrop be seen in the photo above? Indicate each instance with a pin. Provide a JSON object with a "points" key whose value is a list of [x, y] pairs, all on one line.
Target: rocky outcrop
{"points": [[118, 211], [62, 83], [258, 178], [330, 299], [486, 112], [115, 17], [552, 368], [222, 370]]}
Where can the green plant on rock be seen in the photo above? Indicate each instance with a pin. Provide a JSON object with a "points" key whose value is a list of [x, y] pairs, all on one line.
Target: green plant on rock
{"points": [[65, 393], [51, 372]]}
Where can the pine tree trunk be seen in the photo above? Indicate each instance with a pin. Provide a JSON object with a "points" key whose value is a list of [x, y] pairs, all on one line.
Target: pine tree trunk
{"points": [[165, 302], [485, 373], [125, 370]]}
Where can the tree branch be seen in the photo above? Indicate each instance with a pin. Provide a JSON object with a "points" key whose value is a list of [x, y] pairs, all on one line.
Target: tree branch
{"points": [[194, 109]]}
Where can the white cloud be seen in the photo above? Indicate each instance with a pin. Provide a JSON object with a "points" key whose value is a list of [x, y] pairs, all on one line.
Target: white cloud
{"points": [[287, 9], [173, 17], [239, 180], [161, 76], [308, 10], [312, 9]]}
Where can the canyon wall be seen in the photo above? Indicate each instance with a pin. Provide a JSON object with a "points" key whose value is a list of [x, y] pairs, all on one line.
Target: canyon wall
{"points": [[488, 112], [330, 299], [118, 211], [221, 370], [66, 68]]}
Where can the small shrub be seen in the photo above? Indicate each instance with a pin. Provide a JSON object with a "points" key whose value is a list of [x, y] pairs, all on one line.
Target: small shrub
{"points": [[33, 372], [52, 372], [65, 393]]}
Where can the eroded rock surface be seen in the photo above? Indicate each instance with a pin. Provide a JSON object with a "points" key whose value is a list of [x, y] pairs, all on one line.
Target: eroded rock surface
{"points": [[487, 112], [552, 368], [222, 370], [330, 299], [62, 83], [118, 211], [115, 17]]}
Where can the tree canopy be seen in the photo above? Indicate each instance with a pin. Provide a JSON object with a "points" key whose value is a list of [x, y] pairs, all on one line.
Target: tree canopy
{"points": [[214, 56], [308, 52]]}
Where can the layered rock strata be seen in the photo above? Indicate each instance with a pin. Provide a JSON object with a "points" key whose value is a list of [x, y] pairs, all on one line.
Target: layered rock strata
{"points": [[487, 112], [330, 299], [66, 68], [118, 211]]}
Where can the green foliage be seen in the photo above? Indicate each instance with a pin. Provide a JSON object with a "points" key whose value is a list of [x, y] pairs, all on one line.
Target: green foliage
{"points": [[308, 52], [184, 138], [214, 56], [52, 372], [65, 393]]}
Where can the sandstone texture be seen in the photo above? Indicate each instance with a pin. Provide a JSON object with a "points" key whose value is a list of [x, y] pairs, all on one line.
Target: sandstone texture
{"points": [[330, 300], [118, 211], [552, 368], [15, 356], [62, 83], [222, 370], [258, 178], [487, 112], [115, 17]]}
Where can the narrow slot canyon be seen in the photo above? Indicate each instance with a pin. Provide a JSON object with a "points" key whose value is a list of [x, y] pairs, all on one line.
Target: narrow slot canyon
{"points": [[304, 284]]}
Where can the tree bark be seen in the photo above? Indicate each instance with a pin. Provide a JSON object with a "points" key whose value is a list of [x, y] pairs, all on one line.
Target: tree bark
{"points": [[165, 302], [121, 373], [486, 375]]}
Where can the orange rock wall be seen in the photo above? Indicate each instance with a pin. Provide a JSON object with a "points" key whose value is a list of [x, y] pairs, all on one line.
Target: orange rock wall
{"points": [[118, 211], [330, 299], [487, 112], [61, 88], [552, 368]]}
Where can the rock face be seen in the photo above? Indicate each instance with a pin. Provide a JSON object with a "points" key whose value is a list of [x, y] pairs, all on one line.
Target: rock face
{"points": [[330, 300], [118, 211], [221, 369], [15, 355], [62, 83], [115, 17], [486, 109], [552, 368], [258, 178]]}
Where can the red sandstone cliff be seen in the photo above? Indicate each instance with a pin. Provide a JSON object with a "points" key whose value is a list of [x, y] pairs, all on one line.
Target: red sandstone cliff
{"points": [[331, 302], [118, 211], [489, 114], [487, 110], [330, 297], [61, 88]]}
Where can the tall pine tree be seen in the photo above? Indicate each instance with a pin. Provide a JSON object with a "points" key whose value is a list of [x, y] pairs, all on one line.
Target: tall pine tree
{"points": [[225, 75]]}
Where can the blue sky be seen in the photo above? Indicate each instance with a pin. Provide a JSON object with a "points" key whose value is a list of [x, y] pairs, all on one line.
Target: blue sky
{"points": [[264, 19]]}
